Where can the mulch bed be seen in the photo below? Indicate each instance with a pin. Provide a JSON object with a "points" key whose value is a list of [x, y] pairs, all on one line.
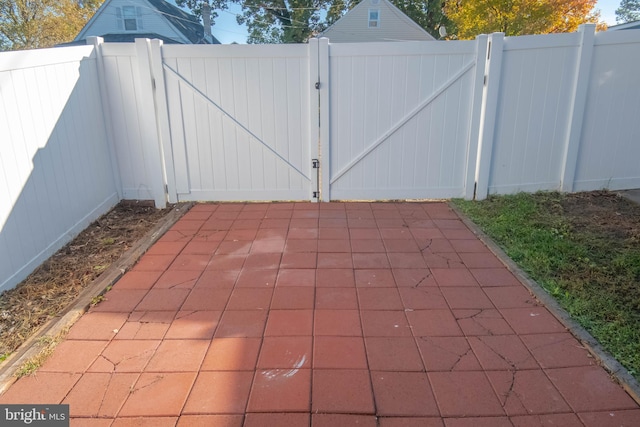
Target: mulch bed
{"points": [[55, 284]]}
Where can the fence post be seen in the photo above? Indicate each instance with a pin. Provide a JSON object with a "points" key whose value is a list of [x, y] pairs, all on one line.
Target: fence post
{"points": [[476, 109], [314, 111], [162, 120], [489, 108], [576, 108], [325, 135], [106, 111], [148, 124]]}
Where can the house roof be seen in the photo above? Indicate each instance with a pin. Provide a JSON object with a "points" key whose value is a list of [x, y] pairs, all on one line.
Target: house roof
{"points": [[342, 25], [185, 23], [633, 25]]}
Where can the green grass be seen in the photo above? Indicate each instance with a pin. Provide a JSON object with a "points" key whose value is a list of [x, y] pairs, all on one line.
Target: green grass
{"points": [[591, 269], [47, 344]]}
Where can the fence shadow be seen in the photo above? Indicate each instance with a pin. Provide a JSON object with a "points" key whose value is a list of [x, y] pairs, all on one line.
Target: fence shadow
{"points": [[57, 174]]}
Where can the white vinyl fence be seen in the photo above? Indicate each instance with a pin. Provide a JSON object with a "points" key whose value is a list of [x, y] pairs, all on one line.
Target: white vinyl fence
{"points": [[84, 127], [609, 148], [566, 113], [56, 173]]}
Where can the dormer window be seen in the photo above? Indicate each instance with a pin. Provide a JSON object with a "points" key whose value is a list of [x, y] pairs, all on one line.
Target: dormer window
{"points": [[374, 18], [129, 18]]}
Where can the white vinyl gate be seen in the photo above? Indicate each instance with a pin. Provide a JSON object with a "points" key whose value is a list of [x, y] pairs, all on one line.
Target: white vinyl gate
{"points": [[399, 118], [240, 121], [378, 120]]}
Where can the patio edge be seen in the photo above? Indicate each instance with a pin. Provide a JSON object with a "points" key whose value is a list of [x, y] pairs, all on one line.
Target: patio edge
{"points": [[602, 356], [62, 322]]}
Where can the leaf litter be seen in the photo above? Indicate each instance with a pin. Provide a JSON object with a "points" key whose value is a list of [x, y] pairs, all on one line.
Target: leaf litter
{"points": [[57, 282]]}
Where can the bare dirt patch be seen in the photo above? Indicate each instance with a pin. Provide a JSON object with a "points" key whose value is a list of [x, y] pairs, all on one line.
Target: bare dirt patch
{"points": [[612, 215], [55, 284], [609, 226]]}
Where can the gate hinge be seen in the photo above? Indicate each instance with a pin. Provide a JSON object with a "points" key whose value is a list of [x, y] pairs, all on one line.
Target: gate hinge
{"points": [[315, 163], [317, 85], [485, 79], [153, 84]]}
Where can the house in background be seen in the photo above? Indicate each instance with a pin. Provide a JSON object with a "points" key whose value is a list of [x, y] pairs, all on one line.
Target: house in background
{"points": [[126, 20], [375, 21], [633, 25]]}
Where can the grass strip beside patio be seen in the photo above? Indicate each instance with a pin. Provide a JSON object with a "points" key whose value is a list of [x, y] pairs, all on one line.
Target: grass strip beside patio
{"points": [[583, 249]]}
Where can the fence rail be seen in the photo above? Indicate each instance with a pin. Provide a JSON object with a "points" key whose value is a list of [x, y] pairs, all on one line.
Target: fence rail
{"points": [[83, 127]]}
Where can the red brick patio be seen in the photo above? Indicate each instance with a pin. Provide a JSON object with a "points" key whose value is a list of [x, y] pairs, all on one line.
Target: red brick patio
{"points": [[368, 314]]}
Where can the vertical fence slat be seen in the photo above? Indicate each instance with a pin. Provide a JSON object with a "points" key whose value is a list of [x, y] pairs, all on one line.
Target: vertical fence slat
{"points": [[476, 108], [488, 113], [149, 126], [577, 107], [314, 112], [104, 98], [323, 78], [162, 117]]}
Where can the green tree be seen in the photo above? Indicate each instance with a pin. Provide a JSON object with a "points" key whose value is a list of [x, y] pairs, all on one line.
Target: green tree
{"points": [[628, 11], [29, 24], [282, 21], [519, 17], [429, 14]]}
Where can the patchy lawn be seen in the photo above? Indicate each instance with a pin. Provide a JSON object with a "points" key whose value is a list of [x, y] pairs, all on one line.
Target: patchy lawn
{"points": [[584, 249], [55, 284]]}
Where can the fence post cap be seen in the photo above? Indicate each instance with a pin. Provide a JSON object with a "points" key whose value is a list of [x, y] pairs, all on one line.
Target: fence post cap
{"points": [[585, 27], [95, 40]]}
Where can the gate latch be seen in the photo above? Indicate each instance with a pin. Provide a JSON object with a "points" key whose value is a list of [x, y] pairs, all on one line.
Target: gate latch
{"points": [[317, 85], [315, 163]]}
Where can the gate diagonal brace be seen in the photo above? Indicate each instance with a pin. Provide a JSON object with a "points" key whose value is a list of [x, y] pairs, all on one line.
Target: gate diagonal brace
{"points": [[230, 117]]}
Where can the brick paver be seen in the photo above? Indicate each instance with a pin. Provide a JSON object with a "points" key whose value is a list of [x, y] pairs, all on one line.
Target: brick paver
{"points": [[300, 314]]}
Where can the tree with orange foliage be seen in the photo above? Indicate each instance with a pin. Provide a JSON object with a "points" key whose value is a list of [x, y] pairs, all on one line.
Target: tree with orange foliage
{"points": [[29, 24], [519, 17]]}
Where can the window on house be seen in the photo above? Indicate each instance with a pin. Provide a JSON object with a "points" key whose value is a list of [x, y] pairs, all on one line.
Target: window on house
{"points": [[374, 18], [129, 18]]}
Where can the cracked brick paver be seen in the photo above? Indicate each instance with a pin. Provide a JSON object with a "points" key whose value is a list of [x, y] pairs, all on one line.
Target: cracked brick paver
{"points": [[300, 314]]}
